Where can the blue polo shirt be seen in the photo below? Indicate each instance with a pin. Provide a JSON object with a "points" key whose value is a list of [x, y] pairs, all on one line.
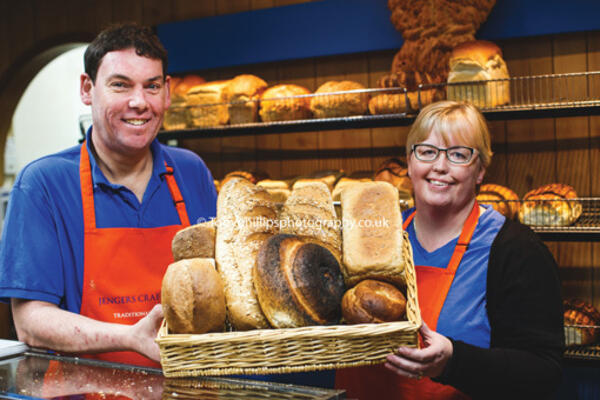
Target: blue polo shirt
{"points": [[41, 250], [464, 314]]}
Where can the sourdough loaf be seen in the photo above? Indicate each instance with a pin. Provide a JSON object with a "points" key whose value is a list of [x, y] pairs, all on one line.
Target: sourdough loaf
{"points": [[281, 103], [372, 301], [196, 241], [325, 105], [192, 297], [298, 282], [372, 233]]}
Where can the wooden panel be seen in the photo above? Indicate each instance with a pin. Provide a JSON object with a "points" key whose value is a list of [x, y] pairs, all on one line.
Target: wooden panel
{"points": [[155, 12], [5, 41], [20, 27], [89, 17], [124, 11], [497, 170], [182, 10], [231, 6]]}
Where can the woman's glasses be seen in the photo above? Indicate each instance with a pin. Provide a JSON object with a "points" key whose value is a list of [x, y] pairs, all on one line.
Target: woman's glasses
{"points": [[456, 154]]}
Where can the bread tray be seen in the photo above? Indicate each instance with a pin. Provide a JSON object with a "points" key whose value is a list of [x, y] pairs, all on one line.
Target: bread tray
{"points": [[268, 351]]}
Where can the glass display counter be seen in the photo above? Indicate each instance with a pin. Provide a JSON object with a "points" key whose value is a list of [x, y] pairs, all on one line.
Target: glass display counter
{"points": [[33, 375]]}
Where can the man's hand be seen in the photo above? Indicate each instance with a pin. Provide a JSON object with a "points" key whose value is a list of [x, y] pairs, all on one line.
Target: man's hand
{"points": [[429, 361], [144, 332]]}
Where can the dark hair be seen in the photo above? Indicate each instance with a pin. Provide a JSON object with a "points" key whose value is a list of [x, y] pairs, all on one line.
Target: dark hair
{"points": [[120, 37]]}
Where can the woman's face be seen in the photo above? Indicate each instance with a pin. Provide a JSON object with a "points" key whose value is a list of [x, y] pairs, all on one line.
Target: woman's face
{"points": [[442, 184]]}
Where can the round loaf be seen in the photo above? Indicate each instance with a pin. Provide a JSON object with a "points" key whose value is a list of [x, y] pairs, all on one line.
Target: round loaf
{"points": [[501, 198], [477, 51], [324, 105], [372, 301], [279, 104], [196, 241], [298, 283], [554, 204], [193, 298]]}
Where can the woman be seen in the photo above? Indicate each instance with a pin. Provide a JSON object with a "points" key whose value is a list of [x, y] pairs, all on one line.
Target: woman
{"points": [[488, 287]]}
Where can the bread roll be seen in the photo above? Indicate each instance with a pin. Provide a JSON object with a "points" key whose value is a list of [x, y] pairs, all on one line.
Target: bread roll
{"points": [[554, 204], [395, 171], [501, 198], [298, 283], [207, 104], [309, 212], [372, 301], [196, 241], [324, 105], [252, 176], [582, 322], [247, 217], [278, 189], [278, 103], [478, 60], [243, 94], [192, 297], [179, 92], [372, 234]]}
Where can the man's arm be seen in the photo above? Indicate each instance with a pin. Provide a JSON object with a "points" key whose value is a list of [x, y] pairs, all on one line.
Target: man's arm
{"points": [[42, 324]]}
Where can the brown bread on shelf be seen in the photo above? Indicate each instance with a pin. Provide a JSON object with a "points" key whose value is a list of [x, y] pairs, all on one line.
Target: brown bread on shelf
{"points": [[372, 301], [278, 104], [395, 171], [501, 198], [343, 183], [325, 105], [177, 115], [196, 241], [582, 323], [298, 282], [554, 204], [192, 297], [372, 234], [207, 104], [277, 188], [478, 60], [243, 93], [246, 218]]}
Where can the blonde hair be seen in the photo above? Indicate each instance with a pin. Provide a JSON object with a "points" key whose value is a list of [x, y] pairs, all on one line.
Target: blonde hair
{"points": [[452, 118]]}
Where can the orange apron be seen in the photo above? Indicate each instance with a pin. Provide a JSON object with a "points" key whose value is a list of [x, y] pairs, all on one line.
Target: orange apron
{"points": [[433, 283], [124, 267]]}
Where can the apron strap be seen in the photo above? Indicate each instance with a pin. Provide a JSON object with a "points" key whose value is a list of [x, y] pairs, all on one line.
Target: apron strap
{"points": [[176, 195], [465, 238]]}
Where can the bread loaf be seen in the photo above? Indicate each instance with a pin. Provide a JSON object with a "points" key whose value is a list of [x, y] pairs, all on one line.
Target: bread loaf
{"points": [[309, 212], [554, 204], [372, 234], [278, 189], [278, 103], [343, 183], [478, 60], [177, 116], [196, 241], [298, 283], [207, 104], [246, 216], [243, 93], [324, 105], [372, 301], [192, 297], [582, 322], [395, 171], [501, 198]]}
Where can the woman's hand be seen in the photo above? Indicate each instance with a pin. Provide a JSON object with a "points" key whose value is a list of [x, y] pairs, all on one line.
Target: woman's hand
{"points": [[429, 361], [145, 331]]}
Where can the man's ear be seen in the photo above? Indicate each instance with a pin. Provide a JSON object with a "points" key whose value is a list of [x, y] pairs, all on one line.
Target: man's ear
{"points": [[85, 89]]}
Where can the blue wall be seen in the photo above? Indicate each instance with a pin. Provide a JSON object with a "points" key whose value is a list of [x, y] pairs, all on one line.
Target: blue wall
{"points": [[333, 27]]}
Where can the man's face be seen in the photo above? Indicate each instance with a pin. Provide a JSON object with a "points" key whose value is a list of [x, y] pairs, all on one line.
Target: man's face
{"points": [[128, 101]]}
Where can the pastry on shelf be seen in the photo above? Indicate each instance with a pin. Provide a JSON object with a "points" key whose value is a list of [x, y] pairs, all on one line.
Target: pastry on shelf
{"points": [[582, 322], [478, 60], [324, 105], [501, 198], [555, 204], [278, 103]]}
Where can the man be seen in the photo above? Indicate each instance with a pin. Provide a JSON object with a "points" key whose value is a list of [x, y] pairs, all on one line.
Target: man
{"points": [[88, 230]]}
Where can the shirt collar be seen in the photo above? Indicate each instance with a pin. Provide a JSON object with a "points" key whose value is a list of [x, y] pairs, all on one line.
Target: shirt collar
{"points": [[98, 177]]}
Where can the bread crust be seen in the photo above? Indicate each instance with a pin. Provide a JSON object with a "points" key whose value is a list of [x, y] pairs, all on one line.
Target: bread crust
{"points": [[554, 204], [578, 312], [372, 301], [196, 241], [299, 283], [243, 93], [207, 104], [501, 198], [325, 105], [276, 106]]}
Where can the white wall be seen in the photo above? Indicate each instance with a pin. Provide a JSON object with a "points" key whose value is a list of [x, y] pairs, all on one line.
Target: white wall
{"points": [[46, 119]]}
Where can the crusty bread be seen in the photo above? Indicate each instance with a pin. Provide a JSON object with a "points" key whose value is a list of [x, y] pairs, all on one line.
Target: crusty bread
{"points": [[252, 176], [278, 103], [277, 188], [554, 204], [324, 105], [192, 297], [243, 94], [395, 171], [177, 116], [478, 60], [179, 91], [309, 212], [207, 104], [196, 241], [246, 216], [501, 198], [298, 283], [372, 233], [582, 323], [343, 183], [372, 301]]}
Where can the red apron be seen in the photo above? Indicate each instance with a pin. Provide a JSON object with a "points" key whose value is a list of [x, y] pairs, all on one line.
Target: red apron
{"points": [[433, 283], [124, 267]]}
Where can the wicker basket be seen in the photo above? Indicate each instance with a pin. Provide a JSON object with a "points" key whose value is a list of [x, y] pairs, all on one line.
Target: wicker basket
{"points": [[267, 351]]}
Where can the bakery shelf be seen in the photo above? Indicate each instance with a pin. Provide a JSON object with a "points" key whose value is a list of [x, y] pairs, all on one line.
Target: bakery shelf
{"points": [[583, 353], [530, 97]]}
